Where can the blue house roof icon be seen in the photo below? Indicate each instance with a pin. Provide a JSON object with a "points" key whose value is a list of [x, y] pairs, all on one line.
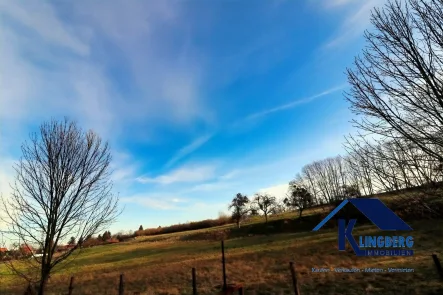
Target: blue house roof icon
{"points": [[375, 210]]}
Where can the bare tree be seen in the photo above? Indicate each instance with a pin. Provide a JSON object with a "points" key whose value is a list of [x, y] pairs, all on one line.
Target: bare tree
{"points": [[62, 189], [397, 83], [400, 167], [238, 204], [307, 179], [299, 197], [359, 173], [325, 179], [265, 204]]}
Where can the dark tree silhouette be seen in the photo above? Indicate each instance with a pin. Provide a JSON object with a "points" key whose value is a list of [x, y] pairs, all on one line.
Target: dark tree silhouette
{"points": [[140, 227], [239, 209], [397, 90], [397, 83], [106, 236], [71, 241], [62, 189], [265, 204], [298, 197]]}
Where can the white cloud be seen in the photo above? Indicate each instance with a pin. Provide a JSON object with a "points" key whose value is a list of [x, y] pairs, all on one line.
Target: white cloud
{"points": [[294, 103], [355, 23], [154, 201], [164, 201], [56, 66], [37, 82], [44, 21], [178, 200], [121, 174], [272, 174], [7, 174], [279, 190], [188, 149], [123, 167], [231, 174], [336, 3], [189, 173], [168, 75], [214, 186]]}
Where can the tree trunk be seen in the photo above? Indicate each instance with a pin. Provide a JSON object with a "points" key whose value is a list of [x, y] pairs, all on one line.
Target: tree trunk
{"points": [[299, 213], [43, 282], [238, 223], [266, 218]]}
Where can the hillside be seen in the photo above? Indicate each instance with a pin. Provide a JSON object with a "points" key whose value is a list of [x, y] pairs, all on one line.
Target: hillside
{"points": [[162, 264]]}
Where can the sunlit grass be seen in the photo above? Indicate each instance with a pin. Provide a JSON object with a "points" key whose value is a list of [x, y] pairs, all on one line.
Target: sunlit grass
{"points": [[259, 262]]}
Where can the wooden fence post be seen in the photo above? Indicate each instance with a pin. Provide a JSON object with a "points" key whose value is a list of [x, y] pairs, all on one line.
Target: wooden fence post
{"points": [[224, 266], [194, 283], [294, 278], [121, 287], [71, 286], [438, 265]]}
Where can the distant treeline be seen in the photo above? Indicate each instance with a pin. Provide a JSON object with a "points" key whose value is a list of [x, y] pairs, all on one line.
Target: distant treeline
{"points": [[195, 225]]}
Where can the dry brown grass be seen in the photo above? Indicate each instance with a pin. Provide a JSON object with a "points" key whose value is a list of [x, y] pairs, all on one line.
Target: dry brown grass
{"points": [[259, 262]]}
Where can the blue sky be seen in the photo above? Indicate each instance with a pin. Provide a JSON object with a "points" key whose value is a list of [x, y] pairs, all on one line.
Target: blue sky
{"points": [[198, 99]]}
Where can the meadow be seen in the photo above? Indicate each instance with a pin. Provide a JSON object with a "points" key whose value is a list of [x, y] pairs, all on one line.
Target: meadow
{"points": [[162, 264]]}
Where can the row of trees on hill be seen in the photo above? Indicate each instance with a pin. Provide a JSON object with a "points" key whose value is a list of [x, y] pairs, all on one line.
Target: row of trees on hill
{"points": [[370, 168], [265, 204], [397, 96]]}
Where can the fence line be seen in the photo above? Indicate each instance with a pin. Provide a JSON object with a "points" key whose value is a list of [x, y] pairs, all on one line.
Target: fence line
{"points": [[230, 288]]}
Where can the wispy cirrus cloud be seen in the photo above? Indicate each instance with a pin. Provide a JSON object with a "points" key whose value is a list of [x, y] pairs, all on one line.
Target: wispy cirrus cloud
{"points": [[294, 103], [200, 141], [157, 201], [169, 202], [188, 149], [144, 74], [214, 186], [356, 21], [188, 173], [61, 67], [7, 174], [123, 167], [44, 22], [336, 3]]}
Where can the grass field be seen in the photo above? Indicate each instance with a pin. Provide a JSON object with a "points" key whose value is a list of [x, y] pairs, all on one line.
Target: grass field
{"points": [[162, 265]]}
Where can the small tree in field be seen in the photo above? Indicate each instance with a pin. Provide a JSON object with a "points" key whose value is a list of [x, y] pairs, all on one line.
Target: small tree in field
{"points": [[298, 197], [265, 203], [140, 227], [71, 241], [106, 236], [62, 189], [239, 208]]}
